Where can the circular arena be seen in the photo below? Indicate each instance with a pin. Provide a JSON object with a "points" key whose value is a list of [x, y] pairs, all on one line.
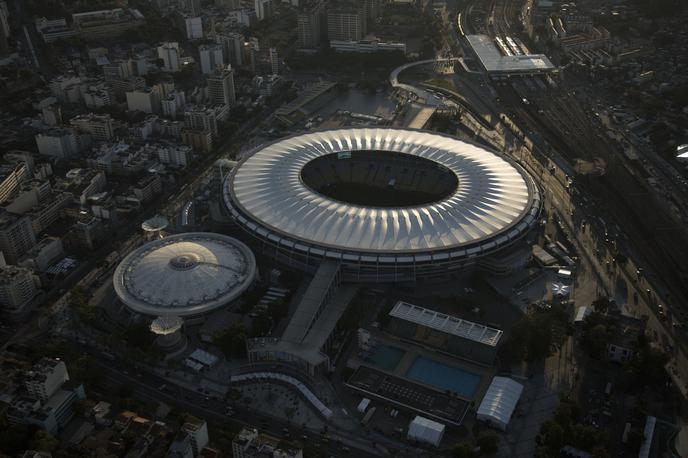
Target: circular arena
{"points": [[388, 204], [184, 275]]}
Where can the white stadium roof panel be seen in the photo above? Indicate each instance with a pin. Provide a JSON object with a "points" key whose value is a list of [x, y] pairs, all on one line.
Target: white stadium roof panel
{"points": [[492, 196]]}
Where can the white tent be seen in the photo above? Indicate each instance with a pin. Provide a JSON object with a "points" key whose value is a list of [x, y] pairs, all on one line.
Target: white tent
{"points": [[363, 405], [560, 289], [500, 402], [682, 153], [581, 313], [425, 430]]}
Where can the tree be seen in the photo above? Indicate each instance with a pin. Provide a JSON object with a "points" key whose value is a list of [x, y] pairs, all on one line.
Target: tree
{"points": [[138, 336], [595, 340], [13, 438], [82, 406], [603, 304], [261, 325], [647, 368], [232, 341], [289, 412], [600, 452], [43, 441], [553, 436], [82, 369], [488, 441], [125, 391], [539, 334], [543, 452], [567, 413], [587, 437], [463, 450]]}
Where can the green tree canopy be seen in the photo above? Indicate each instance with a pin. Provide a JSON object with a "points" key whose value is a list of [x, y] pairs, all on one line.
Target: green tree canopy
{"points": [[232, 341], [539, 334], [488, 441], [43, 441], [464, 450]]}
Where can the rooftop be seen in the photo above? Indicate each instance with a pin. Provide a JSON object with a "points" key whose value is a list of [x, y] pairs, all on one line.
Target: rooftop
{"points": [[447, 323], [482, 202], [494, 61], [185, 274]]}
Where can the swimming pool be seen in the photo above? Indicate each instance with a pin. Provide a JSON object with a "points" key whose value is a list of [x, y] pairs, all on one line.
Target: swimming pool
{"points": [[385, 357], [433, 373]]}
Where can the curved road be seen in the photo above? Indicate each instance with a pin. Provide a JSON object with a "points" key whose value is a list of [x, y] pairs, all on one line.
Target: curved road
{"points": [[422, 94]]}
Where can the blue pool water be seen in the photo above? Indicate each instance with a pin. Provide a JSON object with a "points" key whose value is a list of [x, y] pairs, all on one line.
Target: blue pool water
{"points": [[444, 377], [386, 357]]}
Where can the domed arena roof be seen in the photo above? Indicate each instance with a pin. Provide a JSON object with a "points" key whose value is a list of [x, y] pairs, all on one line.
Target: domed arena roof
{"points": [[184, 274]]}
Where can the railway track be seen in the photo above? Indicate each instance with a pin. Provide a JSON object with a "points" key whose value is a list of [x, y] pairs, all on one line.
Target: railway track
{"points": [[657, 239]]}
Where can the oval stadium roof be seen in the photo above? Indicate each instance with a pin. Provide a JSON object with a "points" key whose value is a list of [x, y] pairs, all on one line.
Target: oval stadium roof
{"points": [[493, 201]]}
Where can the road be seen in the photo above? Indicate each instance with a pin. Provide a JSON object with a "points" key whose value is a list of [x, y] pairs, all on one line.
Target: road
{"points": [[147, 387], [612, 193]]}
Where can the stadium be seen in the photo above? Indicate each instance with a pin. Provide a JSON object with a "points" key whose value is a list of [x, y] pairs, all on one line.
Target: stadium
{"points": [[184, 275], [386, 204]]}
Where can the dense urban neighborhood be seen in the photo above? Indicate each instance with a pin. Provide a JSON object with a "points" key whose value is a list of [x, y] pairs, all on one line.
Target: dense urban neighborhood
{"points": [[332, 228]]}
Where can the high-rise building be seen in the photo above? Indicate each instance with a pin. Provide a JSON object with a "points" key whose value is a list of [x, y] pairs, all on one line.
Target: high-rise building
{"points": [[191, 26], [53, 29], [16, 235], [17, 168], [221, 87], [198, 431], [200, 118], [373, 8], [309, 27], [67, 88], [146, 100], [181, 446], [4, 29], [274, 61], [18, 285], [229, 4], [99, 126], [173, 104], [211, 57], [52, 115], [169, 53], [198, 139], [174, 154], [106, 24], [62, 143], [244, 17], [232, 47], [263, 9], [45, 378], [345, 24], [192, 7], [116, 71], [251, 50]]}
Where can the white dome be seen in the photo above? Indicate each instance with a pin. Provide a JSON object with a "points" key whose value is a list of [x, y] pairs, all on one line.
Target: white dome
{"points": [[184, 274]]}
